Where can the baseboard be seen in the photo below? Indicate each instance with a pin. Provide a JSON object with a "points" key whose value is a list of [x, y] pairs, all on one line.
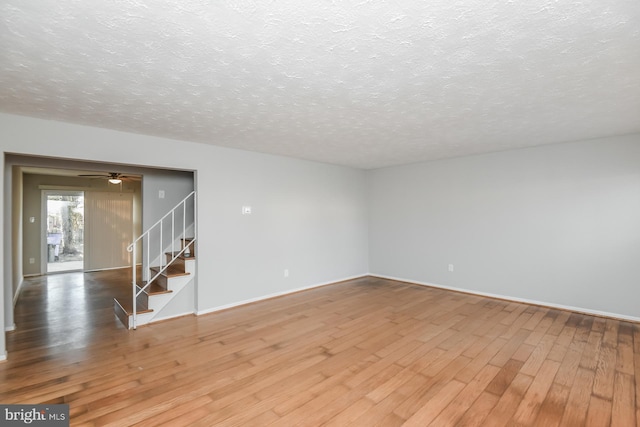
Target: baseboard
{"points": [[173, 316], [276, 295], [581, 310], [3, 357], [10, 328], [95, 270]]}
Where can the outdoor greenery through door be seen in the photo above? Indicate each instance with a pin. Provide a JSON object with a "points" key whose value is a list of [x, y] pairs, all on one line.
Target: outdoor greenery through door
{"points": [[65, 231]]}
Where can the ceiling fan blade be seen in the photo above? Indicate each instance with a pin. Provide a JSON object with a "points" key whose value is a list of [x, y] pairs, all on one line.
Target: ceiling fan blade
{"points": [[112, 175]]}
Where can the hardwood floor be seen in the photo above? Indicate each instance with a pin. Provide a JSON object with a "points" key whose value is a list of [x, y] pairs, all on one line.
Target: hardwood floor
{"points": [[364, 352]]}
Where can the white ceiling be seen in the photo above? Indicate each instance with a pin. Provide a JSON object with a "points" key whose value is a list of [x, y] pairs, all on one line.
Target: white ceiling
{"points": [[360, 83]]}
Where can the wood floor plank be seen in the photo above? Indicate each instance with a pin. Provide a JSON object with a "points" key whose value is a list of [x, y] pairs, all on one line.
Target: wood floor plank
{"points": [[623, 412], [552, 408], [477, 414], [432, 409], [579, 398], [504, 377], [559, 321], [451, 414], [382, 391], [324, 390], [589, 344], [624, 355], [536, 393], [538, 356], [480, 360], [574, 356], [599, 414], [353, 412], [381, 410], [345, 401], [364, 352], [524, 352], [511, 346], [513, 396], [562, 343], [610, 336], [178, 414], [604, 380]]}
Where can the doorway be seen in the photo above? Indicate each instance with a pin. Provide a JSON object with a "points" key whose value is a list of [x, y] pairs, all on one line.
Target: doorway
{"points": [[64, 234]]}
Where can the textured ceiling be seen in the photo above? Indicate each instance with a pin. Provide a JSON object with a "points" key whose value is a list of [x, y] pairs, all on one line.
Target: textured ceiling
{"points": [[359, 83]]}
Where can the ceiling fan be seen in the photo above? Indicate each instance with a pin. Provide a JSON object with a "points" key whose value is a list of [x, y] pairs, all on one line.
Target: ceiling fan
{"points": [[113, 177]]}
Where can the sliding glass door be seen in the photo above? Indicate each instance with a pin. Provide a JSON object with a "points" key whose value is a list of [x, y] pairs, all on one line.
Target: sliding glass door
{"points": [[64, 235]]}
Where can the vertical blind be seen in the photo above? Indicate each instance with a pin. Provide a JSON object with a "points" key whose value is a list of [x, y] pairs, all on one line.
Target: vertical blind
{"points": [[108, 229]]}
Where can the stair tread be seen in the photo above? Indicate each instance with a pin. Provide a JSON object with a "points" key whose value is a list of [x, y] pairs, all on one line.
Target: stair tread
{"points": [[172, 271], [127, 307], [154, 288]]}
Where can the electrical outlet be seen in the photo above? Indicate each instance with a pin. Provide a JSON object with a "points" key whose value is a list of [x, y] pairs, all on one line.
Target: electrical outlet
{"points": [[286, 272], [161, 194], [246, 210], [32, 260], [450, 267]]}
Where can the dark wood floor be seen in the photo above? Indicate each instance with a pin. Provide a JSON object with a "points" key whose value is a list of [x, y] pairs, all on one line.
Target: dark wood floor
{"points": [[365, 352]]}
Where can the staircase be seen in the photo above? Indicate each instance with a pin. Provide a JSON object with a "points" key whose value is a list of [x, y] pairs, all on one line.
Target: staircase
{"points": [[174, 271]]}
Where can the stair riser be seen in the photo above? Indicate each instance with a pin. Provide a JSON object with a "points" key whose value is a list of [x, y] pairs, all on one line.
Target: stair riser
{"points": [[192, 246], [176, 283], [178, 262], [190, 266], [158, 301], [142, 299], [162, 281]]}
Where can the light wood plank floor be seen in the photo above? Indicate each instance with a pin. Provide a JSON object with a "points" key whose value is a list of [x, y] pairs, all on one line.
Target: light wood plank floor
{"points": [[364, 352]]}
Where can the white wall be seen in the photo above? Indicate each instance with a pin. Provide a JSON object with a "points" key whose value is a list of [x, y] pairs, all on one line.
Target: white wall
{"points": [[176, 185], [558, 224], [308, 217]]}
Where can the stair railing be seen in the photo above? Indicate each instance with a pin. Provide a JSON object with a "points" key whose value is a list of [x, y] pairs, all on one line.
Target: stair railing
{"points": [[157, 231]]}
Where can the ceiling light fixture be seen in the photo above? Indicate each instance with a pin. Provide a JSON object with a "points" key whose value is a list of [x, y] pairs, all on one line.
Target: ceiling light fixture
{"points": [[115, 180]]}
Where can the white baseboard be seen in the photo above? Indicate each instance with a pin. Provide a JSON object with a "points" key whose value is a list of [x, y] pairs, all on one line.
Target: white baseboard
{"points": [[3, 357], [516, 299], [275, 295], [95, 270], [10, 328], [173, 316]]}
